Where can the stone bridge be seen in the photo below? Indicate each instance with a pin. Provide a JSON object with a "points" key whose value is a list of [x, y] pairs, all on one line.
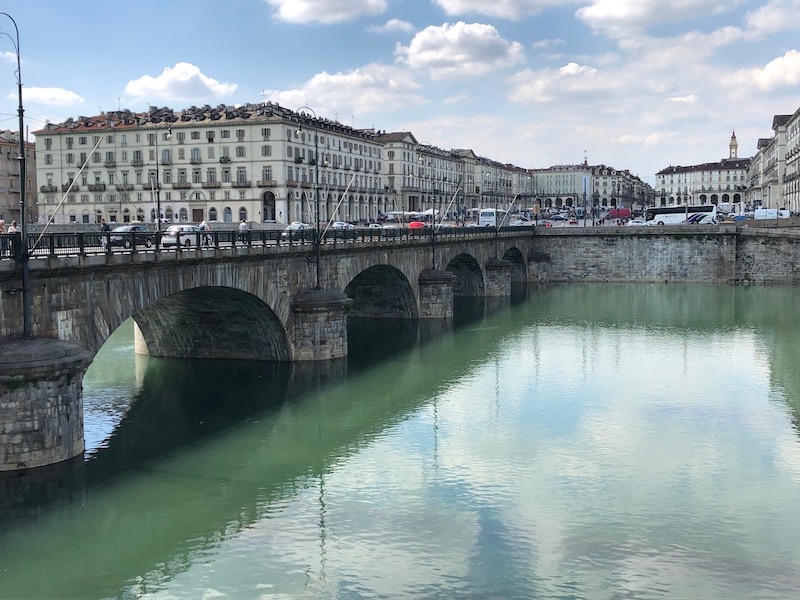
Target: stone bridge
{"points": [[249, 302], [264, 302]]}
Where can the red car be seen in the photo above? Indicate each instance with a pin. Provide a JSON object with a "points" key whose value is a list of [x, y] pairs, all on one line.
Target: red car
{"points": [[417, 224]]}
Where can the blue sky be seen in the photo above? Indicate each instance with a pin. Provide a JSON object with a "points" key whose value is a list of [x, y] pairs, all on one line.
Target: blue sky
{"points": [[636, 84]]}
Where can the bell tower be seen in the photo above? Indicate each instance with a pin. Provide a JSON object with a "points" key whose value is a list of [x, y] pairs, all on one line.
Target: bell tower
{"points": [[733, 147]]}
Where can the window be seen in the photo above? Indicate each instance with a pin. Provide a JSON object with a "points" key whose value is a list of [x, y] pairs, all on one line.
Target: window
{"points": [[266, 173], [212, 214], [266, 150], [240, 134], [241, 175], [195, 135], [240, 152], [181, 137], [225, 134], [69, 143], [109, 139], [82, 140], [265, 133], [48, 159], [196, 177], [209, 136], [211, 175], [70, 158], [48, 143]]}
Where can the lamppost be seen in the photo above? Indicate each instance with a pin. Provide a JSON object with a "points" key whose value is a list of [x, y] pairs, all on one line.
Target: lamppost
{"points": [[27, 306], [318, 240], [433, 191], [156, 179]]}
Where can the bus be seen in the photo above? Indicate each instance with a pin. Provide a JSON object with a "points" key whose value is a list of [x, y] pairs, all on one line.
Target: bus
{"points": [[681, 215], [488, 217]]}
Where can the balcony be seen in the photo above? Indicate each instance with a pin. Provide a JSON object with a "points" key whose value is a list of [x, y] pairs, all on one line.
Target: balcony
{"points": [[196, 160], [211, 185], [298, 159], [181, 185], [225, 160], [75, 188], [305, 184], [149, 186], [48, 189], [242, 184], [137, 162], [97, 187], [110, 164], [124, 187], [165, 161], [262, 183]]}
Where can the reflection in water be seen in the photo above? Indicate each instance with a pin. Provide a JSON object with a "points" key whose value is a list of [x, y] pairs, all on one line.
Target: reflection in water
{"points": [[588, 441]]}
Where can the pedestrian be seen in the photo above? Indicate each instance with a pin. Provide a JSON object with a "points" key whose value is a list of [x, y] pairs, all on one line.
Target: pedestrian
{"points": [[3, 240], [243, 229], [206, 229], [13, 227], [104, 229]]}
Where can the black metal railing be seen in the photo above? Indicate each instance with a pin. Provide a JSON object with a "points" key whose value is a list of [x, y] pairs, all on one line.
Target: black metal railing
{"points": [[64, 244]]}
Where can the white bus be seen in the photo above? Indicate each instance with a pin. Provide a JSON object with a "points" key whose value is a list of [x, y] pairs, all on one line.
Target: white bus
{"points": [[681, 215], [488, 217]]}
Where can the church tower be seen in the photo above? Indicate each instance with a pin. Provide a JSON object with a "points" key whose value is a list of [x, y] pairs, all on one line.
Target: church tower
{"points": [[733, 147]]}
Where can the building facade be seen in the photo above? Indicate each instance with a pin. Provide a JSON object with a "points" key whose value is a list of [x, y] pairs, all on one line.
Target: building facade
{"points": [[260, 163], [722, 183], [10, 186]]}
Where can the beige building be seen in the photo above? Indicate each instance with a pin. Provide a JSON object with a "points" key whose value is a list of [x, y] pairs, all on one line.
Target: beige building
{"points": [[774, 171], [9, 178], [722, 183], [260, 163]]}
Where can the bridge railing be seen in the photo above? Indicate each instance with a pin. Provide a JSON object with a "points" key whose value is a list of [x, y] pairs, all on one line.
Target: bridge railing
{"points": [[96, 242]]}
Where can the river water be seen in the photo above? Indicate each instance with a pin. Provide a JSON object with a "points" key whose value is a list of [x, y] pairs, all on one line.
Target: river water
{"points": [[581, 442]]}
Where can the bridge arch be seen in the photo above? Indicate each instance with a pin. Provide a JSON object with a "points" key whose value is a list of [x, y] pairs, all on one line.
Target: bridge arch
{"points": [[519, 271], [382, 291], [211, 322], [469, 277]]}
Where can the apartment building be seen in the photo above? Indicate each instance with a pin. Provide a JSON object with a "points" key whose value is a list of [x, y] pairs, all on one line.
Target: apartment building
{"points": [[722, 183], [257, 162], [9, 177]]}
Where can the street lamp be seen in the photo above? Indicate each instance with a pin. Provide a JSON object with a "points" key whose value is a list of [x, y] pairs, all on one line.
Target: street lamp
{"points": [[318, 241], [421, 159], [27, 307], [156, 182]]}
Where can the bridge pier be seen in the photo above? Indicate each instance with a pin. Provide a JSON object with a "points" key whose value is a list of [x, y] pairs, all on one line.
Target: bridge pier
{"points": [[436, 294], [498, 277], [319, 330], [41, 402]]}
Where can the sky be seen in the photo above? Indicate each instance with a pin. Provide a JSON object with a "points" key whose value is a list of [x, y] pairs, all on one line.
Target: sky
{"points": [[634, 84]]}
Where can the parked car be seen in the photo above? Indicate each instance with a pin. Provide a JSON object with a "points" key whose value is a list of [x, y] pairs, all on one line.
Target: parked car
{"points": [[297, 230], [184, 236], [573, 221], [558, 218], [342, 230], [521, 223], [636, 223], [126, 236], [417, 224]]}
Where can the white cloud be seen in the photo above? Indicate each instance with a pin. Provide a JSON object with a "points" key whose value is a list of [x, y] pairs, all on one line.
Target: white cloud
{"points": [[773, 17], [9, 57], [619, 18], [542, 44], [456, 99], [459, 49], [52, 96], [367, 90], [325, 11], [781, 72], [690, 99], [551, 84], [182, 83], [391, 26], [503, 9]]}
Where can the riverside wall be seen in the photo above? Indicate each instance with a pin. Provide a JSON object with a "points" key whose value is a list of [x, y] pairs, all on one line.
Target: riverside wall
{"points": [[691, 254]]}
